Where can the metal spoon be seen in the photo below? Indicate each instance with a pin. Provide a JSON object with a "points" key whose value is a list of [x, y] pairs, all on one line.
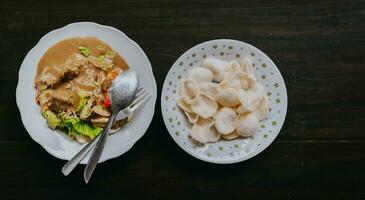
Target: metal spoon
{"points": [[121, 93]]}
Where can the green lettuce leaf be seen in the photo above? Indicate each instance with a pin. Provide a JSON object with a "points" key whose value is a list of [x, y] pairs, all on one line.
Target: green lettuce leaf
{"points": [[100, 59], [84, 97], [85, 105], [52, 120], [87, 129], [86, 110], [74, 125], [84, 50]]}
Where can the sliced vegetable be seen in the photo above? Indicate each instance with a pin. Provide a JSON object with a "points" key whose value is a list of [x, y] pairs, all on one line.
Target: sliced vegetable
{"points": [[103, 62], [110, 53], [52, 120], [82, 104], [130, 117], [101, 121], [100, 47], [86, 110], [85, 104], [117, 125], [113, 74], [106, 101], [84, 97], [100, 58], [84, 50], [101, 110], [67, 122], [43, 86], [87, 129], [81, 138], [74, 125]]}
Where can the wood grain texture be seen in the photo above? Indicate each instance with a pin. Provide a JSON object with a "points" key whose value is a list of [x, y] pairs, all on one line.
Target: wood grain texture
{"points": [[318, 47]]}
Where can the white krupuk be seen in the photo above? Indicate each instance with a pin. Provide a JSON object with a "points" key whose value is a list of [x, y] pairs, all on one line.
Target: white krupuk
{"points": [[262, 109], [201, 74], [231, 136], [204, 105], [217, 66], [192, 117], [246, 66], [209, 88], [232, 68], [181, 102], [225, 120], [247, 125], [223, 99], [241, 80], [189, 89], [203, 131], [254, 95], [227, 97], [243, 98]]}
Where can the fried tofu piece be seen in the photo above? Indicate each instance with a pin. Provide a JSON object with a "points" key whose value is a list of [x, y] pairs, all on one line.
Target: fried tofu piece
{"points": [[61, 98], [73, 65], [51, 75]]}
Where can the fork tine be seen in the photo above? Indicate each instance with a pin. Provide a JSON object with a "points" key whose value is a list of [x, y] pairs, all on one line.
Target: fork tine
{"points": [[138, 96], [139, 103], [139, 88], [140, 92]]}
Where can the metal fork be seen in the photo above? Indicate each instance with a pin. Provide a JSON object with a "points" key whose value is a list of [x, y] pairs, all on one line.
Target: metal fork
{"points": [[141, 97]]}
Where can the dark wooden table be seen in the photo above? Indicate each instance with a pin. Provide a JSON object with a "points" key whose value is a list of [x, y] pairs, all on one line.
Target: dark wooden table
{"points": [[319, 48]]}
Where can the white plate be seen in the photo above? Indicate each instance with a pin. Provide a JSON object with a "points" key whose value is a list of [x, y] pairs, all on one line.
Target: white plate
{"points": [[225, 151], [56, 142]]}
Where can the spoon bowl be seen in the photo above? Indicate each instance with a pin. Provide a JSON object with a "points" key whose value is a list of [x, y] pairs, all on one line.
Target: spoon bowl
{"points": [[123, 90]]}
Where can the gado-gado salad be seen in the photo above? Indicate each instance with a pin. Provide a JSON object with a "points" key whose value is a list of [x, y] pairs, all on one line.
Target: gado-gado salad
{"points": [[72, 82]]}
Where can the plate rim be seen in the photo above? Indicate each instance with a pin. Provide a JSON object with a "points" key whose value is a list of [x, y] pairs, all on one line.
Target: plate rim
{"points": [[223, 162], [60, 29]]}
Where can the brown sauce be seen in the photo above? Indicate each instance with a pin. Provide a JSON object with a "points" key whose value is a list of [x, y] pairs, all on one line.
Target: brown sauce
{"points": [[60, 55]]}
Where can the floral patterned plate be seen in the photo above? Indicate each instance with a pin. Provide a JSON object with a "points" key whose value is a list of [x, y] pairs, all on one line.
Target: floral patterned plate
{"points": [[225, 151]]}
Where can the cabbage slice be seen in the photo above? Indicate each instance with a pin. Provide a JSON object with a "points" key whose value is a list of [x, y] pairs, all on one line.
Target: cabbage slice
{"points": [[53, 120], [85, 105], [74, 125]]}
